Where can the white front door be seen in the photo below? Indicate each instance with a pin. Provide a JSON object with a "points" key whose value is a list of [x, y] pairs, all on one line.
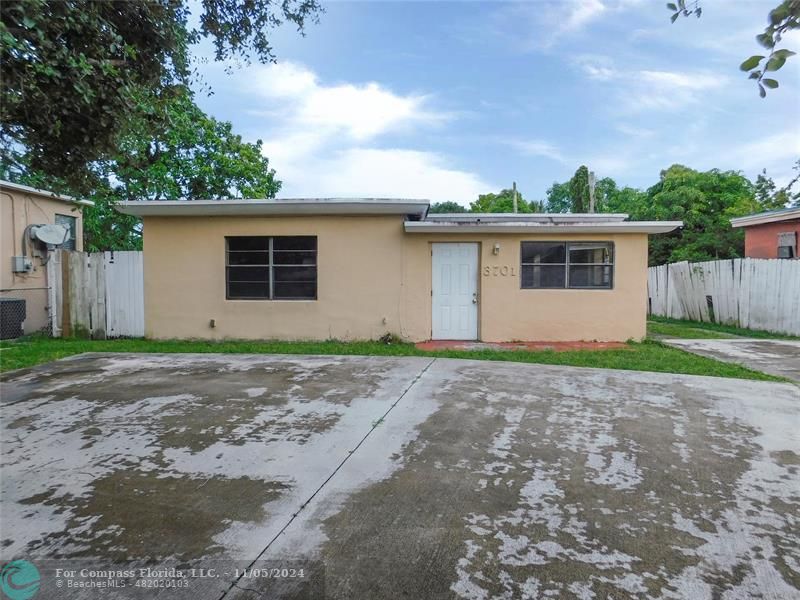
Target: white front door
{"points": [[455, 291]]}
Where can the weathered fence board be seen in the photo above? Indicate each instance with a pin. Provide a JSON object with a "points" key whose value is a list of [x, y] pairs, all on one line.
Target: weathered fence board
{"points": [[747, 292], [96, 294], [124, 294]]}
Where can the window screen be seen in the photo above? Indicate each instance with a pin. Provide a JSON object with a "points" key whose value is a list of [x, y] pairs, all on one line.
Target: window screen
{"points": [[587, 265], [271, 268], [787, 243], [70, 223]]}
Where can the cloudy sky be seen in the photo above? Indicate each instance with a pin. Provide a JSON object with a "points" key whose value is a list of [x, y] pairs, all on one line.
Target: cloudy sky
{"points": [[448, 100]]}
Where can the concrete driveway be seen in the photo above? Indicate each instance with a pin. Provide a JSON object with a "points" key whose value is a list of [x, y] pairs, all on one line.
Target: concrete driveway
{"points": [[778, 357], [353, 477]]}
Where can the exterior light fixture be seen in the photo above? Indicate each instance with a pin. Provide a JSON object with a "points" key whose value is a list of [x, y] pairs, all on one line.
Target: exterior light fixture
{"points": [[496, 249]]}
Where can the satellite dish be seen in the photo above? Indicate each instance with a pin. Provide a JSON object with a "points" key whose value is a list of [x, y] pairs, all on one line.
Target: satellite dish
{"points": [[52, 235]]}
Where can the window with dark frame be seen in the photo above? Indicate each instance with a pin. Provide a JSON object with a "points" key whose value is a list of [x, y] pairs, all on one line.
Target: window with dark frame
{"points": [[567, 265], [271, 268], [71, 224], [787, 243]]}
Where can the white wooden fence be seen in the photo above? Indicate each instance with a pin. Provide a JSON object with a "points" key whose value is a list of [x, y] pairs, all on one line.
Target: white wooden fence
{"points": [[746, 292], [98, 294]]}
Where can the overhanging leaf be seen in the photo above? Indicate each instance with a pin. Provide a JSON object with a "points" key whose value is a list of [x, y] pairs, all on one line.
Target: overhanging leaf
{"points": [[765, 40], [751, 63], [775, 63], [783, 53], [779, 14], [770, 83]]}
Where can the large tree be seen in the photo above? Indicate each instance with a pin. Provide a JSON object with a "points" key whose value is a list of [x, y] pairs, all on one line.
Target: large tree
{"points": [[705, 202], [579, 190], [502, 202], [573, 195], [195, 157], [558, 198], [74, 72], [447, 207]]}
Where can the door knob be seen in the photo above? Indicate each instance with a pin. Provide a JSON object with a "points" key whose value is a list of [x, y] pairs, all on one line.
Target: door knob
{"points": [[474, 298]]}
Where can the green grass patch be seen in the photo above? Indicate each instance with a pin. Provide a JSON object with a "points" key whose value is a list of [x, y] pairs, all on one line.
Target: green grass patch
{"points": [[679, 328], [644, 356]]}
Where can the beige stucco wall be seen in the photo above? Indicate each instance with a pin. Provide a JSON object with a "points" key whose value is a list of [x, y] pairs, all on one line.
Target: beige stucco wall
{"points": [[507, 312], [373, 278], [18, 210]]}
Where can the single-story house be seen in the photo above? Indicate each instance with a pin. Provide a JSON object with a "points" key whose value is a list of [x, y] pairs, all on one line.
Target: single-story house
{"points": [[360, 268], [25, 245], [771, 234]]}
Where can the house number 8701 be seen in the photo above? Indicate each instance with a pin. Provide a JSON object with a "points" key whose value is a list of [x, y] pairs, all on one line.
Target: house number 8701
{"points": [[501, 271]]}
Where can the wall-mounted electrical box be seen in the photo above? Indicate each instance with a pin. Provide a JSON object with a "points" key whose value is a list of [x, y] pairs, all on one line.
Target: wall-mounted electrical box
{"points": [[21, 264]]}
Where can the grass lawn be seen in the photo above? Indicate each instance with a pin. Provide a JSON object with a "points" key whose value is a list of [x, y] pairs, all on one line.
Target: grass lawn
{"points": [[663, 326], [645, 356]]}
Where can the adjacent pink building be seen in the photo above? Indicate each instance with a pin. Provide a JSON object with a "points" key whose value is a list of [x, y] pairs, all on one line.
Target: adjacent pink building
{"points": [[772, 234]]}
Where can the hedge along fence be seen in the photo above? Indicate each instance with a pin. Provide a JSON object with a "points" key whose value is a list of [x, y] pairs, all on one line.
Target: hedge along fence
{"points": [[746, 292]]}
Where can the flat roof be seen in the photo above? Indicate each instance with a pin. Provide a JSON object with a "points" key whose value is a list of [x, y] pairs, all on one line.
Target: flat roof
{"points": [[32, 190], [770, 216], [427, 223], [592, 226], [275, 206], [546, 218]]}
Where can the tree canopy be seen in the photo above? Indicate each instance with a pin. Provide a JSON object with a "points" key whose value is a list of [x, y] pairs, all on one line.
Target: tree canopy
{"points": [[195, 157], [573, 195], [704, 201], [447, 207], [501, 202], [75, 72], [579, 190]]}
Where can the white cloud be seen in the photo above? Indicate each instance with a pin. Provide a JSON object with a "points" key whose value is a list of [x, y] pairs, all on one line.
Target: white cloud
{"points": [[776, 153], [540, 25], [686, 81], [596, 67], [359, 111], [651, 89], [635, 132], [537, 148], [669, 90], [400, 173], [580, 13], [321, 146]]}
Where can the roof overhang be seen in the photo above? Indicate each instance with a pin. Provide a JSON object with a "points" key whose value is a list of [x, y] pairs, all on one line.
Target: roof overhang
{"points": [[766, 217], [270, 207], [543, 228], [17, 187]]}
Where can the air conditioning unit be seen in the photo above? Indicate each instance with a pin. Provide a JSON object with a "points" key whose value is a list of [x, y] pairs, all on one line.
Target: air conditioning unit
{"points": [[12, 317]]}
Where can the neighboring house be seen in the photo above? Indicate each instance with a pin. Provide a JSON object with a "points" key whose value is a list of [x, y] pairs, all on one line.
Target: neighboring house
{"points": [[24, 256], [361, 268], [771, 234]]}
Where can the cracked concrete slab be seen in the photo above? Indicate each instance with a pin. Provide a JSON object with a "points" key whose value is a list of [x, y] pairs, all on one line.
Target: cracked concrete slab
{"points": [[406, 477], [777, 357]]}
